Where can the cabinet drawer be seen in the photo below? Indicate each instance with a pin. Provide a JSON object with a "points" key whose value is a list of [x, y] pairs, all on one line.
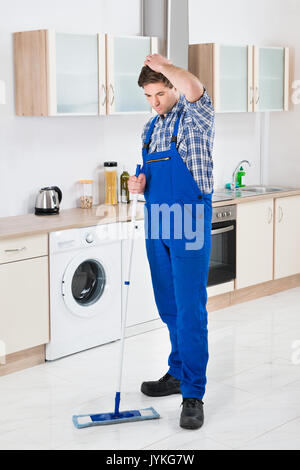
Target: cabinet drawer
{"points": [[15, 249]]}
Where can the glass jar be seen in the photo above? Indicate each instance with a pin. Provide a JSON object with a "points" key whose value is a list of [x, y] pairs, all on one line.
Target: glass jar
{"points": [[124, 193], [86, 198], [110, 169]]}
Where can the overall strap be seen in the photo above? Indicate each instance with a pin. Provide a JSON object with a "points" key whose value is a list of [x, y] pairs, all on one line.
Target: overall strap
{"points": [[148, 136], [175, 132]]}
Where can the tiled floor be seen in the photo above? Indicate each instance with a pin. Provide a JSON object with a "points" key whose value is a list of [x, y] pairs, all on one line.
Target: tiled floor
{"points": [[252, 399]]}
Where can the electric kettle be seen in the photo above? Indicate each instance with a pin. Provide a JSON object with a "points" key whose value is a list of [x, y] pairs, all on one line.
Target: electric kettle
{"points": [[48, 200]]}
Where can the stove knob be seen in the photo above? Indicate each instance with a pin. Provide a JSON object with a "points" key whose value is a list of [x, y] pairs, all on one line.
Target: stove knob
{"points": [[229, 214], [224, 214], [219, 215], [89, 238]]}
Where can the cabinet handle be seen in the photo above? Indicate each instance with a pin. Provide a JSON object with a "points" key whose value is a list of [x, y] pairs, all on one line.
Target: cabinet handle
{"points": [[270, 215], [280, 214], [251, 94], [103, 87], [217, 231], [111, 102], [15, 249], [256, 94]]}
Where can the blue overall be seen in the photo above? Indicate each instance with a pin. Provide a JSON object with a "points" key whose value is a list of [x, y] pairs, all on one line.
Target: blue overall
{"points": [[179, 276]]}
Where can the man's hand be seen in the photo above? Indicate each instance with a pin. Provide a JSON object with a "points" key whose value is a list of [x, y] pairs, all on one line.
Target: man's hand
{"points": [[156, 62], [181, 79], [136, 185]]}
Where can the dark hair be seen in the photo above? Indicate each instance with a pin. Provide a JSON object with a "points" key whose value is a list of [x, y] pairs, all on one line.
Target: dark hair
{"points": [[148, 75]]}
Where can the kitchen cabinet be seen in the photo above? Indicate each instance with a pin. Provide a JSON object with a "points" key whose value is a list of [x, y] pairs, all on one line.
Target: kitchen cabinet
{"points": [[141, 303], [60, 74], [125, 58], [254, 243], [24, 302], [287, 235], [226, 73], [242, 78], [74, 73], [271, 78]]}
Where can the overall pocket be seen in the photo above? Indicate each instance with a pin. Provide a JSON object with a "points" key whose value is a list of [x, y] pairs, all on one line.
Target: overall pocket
{"points": [[158, 178]]}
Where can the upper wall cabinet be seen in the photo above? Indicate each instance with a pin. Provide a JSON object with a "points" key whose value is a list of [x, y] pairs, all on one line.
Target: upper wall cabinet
{"points": [[271, 78], [242, 78], [74, 74], [125, 57]]}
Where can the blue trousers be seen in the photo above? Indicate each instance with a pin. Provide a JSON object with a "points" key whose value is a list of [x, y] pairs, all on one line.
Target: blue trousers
{"points": [[179, 285]]}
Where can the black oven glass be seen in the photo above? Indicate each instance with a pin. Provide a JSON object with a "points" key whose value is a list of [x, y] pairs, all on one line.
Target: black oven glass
{"points": [[222, 265]]}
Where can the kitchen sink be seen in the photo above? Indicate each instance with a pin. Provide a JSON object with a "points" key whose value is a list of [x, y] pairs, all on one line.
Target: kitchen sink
{"points": [[261, 189], [247, 191]]}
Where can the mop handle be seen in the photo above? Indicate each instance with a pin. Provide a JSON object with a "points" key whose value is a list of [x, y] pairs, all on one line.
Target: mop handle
{"points": [[124, 304]]}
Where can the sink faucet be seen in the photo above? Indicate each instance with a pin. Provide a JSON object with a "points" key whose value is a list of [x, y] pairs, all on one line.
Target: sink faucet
{"points": [[232, 185]]}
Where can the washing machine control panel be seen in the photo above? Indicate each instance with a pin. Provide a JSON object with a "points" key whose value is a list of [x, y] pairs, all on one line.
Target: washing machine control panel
{"points": [[89, 238]]}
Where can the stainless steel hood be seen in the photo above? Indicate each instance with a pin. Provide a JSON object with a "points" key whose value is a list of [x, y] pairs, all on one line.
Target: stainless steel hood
{"points": [[169, 21]]}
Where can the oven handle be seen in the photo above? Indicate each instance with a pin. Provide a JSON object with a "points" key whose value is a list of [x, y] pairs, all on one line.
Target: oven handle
{"points": [[222, 230]]}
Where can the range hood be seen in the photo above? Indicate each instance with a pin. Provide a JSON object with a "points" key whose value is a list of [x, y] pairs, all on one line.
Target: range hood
{"points": [[169, 21]]}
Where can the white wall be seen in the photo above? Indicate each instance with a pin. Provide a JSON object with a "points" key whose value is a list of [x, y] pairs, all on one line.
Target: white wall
{"points": [[36, 152], [255, 22]]}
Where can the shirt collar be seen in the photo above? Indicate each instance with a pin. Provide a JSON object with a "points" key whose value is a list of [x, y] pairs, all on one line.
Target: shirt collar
{"points": [[176, 108]]}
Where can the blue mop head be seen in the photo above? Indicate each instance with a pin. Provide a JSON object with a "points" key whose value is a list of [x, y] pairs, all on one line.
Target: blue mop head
{"points": [[84, 421]]}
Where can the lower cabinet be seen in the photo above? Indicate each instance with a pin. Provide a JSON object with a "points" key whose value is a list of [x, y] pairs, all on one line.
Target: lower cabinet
{"points": [[141, 303], [24, 304], [287, 236], [254, 243]]}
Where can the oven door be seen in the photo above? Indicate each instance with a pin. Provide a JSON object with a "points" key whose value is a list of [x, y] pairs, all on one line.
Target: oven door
{"points": [[222, 264]]}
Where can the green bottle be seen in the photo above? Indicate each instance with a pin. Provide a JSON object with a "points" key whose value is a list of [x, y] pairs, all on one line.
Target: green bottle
{"points": [[124, 187], [240, 177]]}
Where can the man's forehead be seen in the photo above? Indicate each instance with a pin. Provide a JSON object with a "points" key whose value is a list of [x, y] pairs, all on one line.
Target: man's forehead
{"points": [[154, 88]]}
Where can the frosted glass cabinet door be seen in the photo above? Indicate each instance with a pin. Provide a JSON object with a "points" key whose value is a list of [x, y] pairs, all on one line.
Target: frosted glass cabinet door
{"points": [[125, 57], [76, 73], [270, 78], [232, 82]]}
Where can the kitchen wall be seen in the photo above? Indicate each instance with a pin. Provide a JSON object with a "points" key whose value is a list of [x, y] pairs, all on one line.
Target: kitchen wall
{"points": [[36, 152]]}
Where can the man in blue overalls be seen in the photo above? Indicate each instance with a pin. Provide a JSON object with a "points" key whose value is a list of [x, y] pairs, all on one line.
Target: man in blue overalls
{"points": [[177, 171]]}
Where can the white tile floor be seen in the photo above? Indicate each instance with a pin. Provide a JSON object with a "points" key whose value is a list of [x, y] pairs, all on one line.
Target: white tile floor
{"points": [[252, 399]]}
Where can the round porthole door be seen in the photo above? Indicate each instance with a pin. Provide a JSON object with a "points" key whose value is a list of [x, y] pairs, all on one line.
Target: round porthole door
{"points": [[86, 287]]}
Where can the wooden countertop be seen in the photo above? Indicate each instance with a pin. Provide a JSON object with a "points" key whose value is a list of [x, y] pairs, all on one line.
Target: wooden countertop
{"points": [[31, 224]]}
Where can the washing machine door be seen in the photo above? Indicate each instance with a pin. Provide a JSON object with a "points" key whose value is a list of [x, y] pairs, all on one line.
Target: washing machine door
{"points": [[86, 286]]}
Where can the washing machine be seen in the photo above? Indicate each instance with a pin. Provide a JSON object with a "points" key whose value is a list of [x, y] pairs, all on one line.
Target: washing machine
{"points": [[85, 289]]}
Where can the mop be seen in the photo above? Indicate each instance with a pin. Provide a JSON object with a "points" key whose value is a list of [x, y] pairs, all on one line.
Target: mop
{"points": [[83, 421]]}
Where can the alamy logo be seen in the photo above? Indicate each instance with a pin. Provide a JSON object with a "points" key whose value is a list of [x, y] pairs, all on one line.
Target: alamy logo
{"points": [[177, 221], [296, 94]]}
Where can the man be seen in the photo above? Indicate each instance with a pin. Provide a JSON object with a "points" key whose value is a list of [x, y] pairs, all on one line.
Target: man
{"points": [[177, 169]]}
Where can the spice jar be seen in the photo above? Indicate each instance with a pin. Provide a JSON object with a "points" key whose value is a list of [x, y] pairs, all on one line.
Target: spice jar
{"points": [[86, 198], [110, 169]]}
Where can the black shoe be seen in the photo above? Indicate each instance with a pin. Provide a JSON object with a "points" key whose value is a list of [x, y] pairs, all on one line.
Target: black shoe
{"points": [[192, 416], [167, 385]]}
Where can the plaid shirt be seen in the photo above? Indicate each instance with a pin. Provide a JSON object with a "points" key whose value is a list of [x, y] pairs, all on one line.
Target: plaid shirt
{"points": [[195, 137]]}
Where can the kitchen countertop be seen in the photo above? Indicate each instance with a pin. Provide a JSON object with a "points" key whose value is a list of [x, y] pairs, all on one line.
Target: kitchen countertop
{"points": [[31, 224]]}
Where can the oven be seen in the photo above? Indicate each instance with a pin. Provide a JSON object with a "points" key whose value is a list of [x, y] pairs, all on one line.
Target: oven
{"points": [[222, 264]]}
